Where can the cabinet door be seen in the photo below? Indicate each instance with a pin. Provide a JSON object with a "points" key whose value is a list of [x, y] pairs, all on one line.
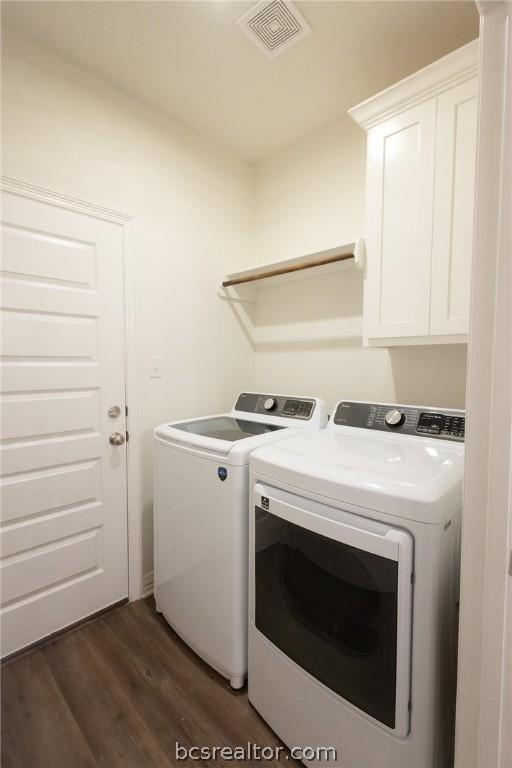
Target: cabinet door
{"points": [[453, 208], [401, 156]]}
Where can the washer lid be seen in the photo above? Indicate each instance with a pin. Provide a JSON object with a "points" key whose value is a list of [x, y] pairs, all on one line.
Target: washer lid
{"points": [[226, 428], [257, 419], [223, 434], [414, 478]]}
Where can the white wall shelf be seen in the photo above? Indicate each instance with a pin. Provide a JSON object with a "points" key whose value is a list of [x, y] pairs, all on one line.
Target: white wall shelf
{"points": [[311, 265]]}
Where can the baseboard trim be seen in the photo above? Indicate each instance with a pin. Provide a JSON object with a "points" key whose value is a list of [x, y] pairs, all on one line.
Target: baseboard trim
{"points": [[147, 584]]}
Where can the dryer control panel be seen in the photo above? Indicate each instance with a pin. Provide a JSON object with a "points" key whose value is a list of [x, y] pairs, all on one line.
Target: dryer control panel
{"points": [[403, 419], [275, 405]]}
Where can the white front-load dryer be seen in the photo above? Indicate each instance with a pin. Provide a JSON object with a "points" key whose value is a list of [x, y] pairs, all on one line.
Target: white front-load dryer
{"points": [[354, 561], [201, 511]]}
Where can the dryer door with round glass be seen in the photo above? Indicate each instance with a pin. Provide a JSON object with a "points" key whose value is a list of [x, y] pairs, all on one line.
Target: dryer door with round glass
{"points": [[333, 591]]}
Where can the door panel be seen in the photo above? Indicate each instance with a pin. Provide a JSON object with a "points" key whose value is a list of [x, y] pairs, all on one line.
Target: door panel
{"points": [[399, 214], [39, 492], [49, 565], [70, 521], [332, 609], [452, 246], [333, 592], [19, 294], [29, 336], [29, 415], [32, 254], [64, 515]]}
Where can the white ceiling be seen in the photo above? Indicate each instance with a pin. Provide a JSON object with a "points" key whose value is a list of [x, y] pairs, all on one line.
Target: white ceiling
{"points": [[189, 60]]}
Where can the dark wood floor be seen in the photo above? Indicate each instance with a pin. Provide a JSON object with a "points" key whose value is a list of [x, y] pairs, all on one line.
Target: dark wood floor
{"points": [[120, 691]]}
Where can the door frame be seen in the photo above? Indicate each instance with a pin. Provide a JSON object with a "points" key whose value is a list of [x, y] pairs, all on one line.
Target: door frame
{"points": [[484, 669], [133, 445]]}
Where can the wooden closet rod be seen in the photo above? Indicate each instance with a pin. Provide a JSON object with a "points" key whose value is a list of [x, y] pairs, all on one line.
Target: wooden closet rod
{"points": [[285, 270]]}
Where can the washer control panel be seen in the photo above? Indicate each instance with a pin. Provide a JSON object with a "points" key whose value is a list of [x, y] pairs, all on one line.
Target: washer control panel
{"points": [[275, 405], [404, 419]]}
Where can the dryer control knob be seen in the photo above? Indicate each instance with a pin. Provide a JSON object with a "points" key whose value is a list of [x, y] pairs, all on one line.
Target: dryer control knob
{"points": [[270, 403], [394, 418]]}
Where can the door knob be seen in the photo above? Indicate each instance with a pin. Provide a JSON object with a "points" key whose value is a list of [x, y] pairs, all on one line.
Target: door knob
{"points": [[116, 438], [114, 411]]}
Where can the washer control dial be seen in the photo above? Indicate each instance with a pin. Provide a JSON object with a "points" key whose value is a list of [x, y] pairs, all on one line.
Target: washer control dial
{"points": [[394, 418], [270, 403]]}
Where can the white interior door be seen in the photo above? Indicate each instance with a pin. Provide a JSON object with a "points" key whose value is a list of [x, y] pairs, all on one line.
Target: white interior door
{"points": [[64, 500]]}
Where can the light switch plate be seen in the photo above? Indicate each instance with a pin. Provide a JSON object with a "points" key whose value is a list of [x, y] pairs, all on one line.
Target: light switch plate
{"points": [[155, 367]]}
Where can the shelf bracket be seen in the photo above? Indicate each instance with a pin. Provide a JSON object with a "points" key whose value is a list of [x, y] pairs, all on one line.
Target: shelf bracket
{"points": [[227, 295]]}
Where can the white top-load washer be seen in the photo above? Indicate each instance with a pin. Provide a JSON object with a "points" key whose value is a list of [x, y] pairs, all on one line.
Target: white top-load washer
{"points": [[201, 496], [354, 561]]}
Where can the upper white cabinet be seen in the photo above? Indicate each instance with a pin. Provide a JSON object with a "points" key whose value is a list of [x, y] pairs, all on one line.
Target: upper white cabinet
{"points": [[454, 190], [401, 159], [419, 216]]}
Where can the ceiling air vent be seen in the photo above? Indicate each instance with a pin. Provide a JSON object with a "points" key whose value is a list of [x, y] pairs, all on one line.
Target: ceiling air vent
{"points": [[274, 26]]}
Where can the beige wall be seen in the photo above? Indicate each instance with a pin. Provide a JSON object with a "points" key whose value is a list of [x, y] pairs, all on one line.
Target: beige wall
{"points": [[307, 334], [311, 196], [200, 213], [66, 131]]}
